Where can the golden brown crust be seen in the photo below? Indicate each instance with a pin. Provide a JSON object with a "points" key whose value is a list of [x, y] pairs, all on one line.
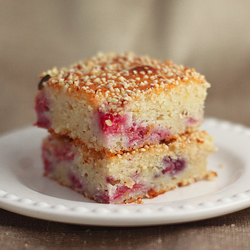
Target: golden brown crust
{"points": [[117, 78], [152, 193], [178, 141]]}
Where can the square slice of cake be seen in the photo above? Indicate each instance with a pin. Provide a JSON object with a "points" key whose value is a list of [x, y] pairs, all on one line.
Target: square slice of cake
{"points": [[128, 177], [119, 102]]}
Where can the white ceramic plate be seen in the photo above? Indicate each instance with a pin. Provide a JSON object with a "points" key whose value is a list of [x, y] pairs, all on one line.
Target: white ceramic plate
{"points": [[25, 191]]}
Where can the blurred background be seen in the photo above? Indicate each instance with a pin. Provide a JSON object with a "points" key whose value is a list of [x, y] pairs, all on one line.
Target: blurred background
{"points": [[211, 36]]}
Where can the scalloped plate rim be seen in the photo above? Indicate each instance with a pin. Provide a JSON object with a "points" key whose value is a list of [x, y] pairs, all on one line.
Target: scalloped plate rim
{"points": [[134, 214]]}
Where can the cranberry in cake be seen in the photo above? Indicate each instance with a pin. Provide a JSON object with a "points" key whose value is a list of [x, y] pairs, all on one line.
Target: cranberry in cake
{"points": [[128, 176], [121, 102]]}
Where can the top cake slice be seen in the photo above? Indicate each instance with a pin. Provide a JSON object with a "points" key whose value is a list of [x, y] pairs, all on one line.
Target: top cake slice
{"points": [[117, 102]]}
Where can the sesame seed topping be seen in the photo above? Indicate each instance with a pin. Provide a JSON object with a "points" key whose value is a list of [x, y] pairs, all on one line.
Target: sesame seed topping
{"points": [[117, 79]]}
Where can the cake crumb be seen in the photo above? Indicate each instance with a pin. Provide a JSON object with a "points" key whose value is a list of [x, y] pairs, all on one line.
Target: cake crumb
{"points": [[139, 201], [129, 184], [211, 176], [222, 164]]}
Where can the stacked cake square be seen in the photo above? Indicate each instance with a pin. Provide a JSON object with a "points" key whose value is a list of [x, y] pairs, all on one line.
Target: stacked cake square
{"points": [[123, 127]]}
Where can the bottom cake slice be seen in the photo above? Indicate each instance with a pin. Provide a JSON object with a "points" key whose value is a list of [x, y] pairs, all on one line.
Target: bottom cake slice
{"points": [[131, 176]]}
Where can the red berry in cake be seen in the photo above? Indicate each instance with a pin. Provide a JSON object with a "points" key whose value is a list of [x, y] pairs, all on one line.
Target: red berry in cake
{"points": [[42, 107], [173, 166], [75, 181]]}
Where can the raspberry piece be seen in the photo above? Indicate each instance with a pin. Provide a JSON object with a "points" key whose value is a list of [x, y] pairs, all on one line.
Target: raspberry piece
{"points": [[173, 167]]}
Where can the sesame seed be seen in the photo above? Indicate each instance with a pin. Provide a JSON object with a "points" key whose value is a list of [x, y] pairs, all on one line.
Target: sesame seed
{"points": [[114, 100], [121, 78], [143, 83], [127, 98], [108, 122], [94, 72], [108, 86], [126, 73], [98, 80], [54, 71]]}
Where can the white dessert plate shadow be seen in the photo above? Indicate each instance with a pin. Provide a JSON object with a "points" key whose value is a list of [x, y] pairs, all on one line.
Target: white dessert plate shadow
{"points": [[24, 190]]}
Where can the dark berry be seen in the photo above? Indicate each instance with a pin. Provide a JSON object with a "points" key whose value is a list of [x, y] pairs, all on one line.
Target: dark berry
{"points": [[173, 166], [44, 79]]}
